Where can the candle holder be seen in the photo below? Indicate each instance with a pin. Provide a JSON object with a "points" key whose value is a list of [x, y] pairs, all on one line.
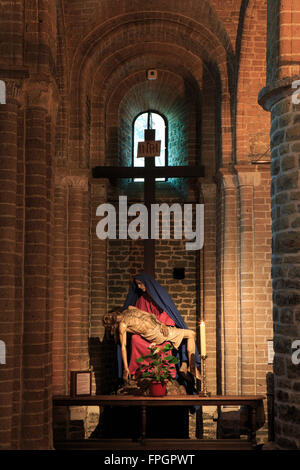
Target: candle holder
{"points": [[203, 392]]}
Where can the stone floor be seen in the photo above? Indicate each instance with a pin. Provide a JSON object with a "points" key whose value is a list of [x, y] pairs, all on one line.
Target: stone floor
{"points": [[210, 426]]}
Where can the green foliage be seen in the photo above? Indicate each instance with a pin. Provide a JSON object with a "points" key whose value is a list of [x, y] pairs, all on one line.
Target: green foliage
{"points": [[156, 365]]}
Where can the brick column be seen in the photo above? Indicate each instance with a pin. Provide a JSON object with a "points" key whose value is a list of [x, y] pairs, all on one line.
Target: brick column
{"points": [[60, 290], [35, 286], [285, 197], [8, 227], [246, 327], [37, 397], [19, 312], [71, 321], [228, 342], [208, 280], [78, 268], [100, 354]]}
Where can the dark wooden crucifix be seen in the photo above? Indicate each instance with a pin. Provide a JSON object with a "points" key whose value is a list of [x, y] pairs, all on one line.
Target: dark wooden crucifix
{"points": [[149, 172]]}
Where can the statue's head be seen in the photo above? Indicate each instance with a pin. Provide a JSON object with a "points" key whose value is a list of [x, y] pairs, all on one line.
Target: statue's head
{"points": [[111, 320], [140, 285]]}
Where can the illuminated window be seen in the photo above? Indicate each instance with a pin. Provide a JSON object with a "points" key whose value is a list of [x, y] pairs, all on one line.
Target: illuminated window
{"points": [[150, 120]]}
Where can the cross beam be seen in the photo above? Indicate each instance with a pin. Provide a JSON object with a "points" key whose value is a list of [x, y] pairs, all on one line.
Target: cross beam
{"points": [[145, 172]]}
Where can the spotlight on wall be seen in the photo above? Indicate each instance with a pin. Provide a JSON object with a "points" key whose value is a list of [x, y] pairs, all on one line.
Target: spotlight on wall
{"points": [[178, 273], [151, 74]]}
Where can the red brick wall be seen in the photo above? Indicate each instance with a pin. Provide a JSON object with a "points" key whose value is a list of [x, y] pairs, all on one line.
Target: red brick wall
{"points": [[12, 32], [252, 123], [86, 64]]}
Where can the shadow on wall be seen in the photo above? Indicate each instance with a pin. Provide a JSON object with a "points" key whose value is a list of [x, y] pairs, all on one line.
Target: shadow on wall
{"points": [[233, 424], [270, 405], [103, 360]]}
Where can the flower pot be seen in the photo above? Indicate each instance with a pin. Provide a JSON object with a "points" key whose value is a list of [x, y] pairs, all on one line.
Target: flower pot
{"points": [[158, 389]]}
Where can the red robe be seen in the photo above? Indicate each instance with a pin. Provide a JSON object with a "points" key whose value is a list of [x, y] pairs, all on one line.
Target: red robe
{"points": [[138, 344]]}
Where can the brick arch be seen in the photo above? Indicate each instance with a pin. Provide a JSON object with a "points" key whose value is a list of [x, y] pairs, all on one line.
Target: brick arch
{"points": [[146, 56], [107, 111], [141, 57], [112, 87], [170, 95], [167, 79], [106, 15], [191, 36], [167, 37], [252, 127], [163, 35], [175, 98], [183, 87], [103, 77]]}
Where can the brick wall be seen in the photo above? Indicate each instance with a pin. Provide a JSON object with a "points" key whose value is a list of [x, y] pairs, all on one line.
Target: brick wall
{"points": [[252, 123], [244, 301], [12, 32], [75, 75]]}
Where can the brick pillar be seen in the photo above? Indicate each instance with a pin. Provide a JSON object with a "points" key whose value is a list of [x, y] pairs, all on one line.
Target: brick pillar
{"points": [[71, 309], [208, 280], [8, 227], [35, 268], [37, 396], [78, 268], [228, 342], [285, 197], [19, 312], [98, 350], [60, 290], [246, 325]]}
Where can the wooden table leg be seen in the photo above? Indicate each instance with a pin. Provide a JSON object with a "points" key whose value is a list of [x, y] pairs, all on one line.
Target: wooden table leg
{"points": [[144, 415], [218, 436], [252, 425]]}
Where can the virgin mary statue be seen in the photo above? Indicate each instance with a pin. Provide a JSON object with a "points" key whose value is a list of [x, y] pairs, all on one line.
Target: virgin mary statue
{"points": [[147, 294]]}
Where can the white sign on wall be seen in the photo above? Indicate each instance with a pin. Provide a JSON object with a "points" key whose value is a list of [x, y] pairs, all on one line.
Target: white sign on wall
{"points": [[2, 352]]}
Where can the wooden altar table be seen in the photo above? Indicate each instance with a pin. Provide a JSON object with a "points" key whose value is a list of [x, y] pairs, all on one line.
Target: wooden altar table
{"points": [[250, 401]]}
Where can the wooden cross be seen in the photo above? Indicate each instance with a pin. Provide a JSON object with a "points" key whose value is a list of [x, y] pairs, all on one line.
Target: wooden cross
{"points": [[149, 173]]}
